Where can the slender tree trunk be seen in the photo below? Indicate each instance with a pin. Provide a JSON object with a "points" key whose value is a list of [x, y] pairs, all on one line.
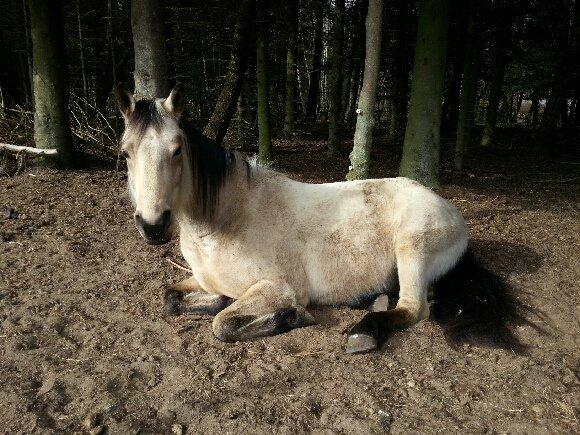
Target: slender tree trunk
{"points": [[420, 159], [290, 100], [314, 81], [225, 107], [335, 79], [532, 115], [360, 157], [468, 94], [82, 53], [401, 72], [502, 41], [51, 127], [151, 71], [564, 74], [264, 138], [28, 51]]}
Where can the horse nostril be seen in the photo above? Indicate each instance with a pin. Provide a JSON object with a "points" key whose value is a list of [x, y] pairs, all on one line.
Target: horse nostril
{"points": [[166, 218], [138, 219]]}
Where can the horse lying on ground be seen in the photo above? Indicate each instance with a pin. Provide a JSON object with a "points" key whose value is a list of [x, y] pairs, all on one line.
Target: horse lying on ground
{"points": [[263, 247]]}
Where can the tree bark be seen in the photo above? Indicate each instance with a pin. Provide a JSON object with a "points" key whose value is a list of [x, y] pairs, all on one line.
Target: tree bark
{"points": [[468, 89], [290, 100], [401, 72], [314, 80], [502, 41], [264, 138], [420, 159], [151, 71], [225, 107], [51, 125], [335, 79], [363, 138]]}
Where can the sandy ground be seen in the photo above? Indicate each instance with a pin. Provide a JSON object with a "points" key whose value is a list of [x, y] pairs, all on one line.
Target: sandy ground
{"points": [[84, 345]]}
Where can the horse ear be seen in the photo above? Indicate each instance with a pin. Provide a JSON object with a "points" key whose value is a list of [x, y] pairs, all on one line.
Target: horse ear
{"points": [[175, 102], [125, 101]]}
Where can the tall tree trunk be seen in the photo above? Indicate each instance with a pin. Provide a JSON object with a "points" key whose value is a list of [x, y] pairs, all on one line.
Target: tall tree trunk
{"points": [[360, 156], [225, 107], [468, 89], [82, 53], [420, 159], [51, 126], [502, 42], [564, 74], [532, 115], [314, 80], [335, 78], [264, 138], [401, 72], [151, 71], [290, 101]]}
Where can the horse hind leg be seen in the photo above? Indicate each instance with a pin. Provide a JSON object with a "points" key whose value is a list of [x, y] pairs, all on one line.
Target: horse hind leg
{"points": [[412, 307], [265, 309]]}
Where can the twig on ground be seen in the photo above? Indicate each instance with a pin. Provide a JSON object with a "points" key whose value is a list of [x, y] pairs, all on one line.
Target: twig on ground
{"points": [[179, 266]]}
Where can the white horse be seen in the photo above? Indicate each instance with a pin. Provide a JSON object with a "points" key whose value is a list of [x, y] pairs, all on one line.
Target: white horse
{"points": [[263, 247]]}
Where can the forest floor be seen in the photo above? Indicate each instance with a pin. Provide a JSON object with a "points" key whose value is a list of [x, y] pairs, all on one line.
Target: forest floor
{"points": [[84, 342]]}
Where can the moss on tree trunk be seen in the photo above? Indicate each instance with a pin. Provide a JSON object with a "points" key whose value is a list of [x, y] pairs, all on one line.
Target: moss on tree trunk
{"points": [[51, 126], [360, 156], [420, 159]]}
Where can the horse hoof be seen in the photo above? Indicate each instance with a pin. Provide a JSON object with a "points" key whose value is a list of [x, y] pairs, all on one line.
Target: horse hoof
{"points": [[360, 343]]}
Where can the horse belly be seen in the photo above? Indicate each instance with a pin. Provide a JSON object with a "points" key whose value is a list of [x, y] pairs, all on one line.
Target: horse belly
{"points": [[343, 271]]}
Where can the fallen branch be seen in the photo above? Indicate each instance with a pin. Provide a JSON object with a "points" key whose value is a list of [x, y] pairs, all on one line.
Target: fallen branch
{"points": [[29, 150]]}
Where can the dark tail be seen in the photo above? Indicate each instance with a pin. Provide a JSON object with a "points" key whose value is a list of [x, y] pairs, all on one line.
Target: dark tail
{"points": [[472, 303]]}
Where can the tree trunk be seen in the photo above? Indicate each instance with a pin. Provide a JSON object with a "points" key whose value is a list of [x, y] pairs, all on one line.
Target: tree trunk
{"points": [[363, 138], [420, 159], [225, 107], [401, 72], [151, 72], [468, 89], [264, 138], [532, 115], [82, 53], [564, 74], [335, 79], [51, 126], [290, 100], [314, 81], [502, 41]]}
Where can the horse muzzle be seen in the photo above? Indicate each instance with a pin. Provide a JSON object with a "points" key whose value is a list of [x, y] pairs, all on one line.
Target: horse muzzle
{"points": [[156, 233]]}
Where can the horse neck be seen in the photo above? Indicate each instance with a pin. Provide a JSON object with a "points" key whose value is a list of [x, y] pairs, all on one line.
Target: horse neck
{"points": [[229, 204]]}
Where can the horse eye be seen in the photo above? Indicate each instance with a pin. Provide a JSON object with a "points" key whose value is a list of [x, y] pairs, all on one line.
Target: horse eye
{"points": [[177, 152]]}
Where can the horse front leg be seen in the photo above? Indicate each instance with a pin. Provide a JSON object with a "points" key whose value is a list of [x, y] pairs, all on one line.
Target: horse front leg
{"points": [[266, 308], [188, 297]]}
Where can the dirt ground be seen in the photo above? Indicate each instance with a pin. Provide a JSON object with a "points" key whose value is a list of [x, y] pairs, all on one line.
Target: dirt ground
{"points": [[84, 342]]}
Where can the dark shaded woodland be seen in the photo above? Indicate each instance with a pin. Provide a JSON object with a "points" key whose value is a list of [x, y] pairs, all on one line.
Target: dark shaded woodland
{"points": [[257, 70]]}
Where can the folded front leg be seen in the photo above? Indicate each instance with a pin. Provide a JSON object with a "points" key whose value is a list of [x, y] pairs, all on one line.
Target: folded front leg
{"points": [[266, 308], [187, 297]]}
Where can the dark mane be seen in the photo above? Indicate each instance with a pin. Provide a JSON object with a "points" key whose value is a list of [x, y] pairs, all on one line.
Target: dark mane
{"points": [[210, 163], [210, 166]]}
